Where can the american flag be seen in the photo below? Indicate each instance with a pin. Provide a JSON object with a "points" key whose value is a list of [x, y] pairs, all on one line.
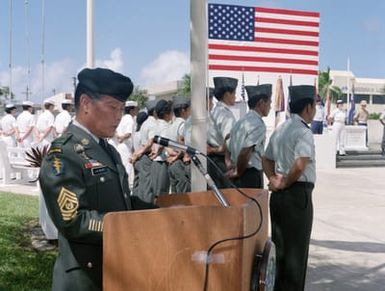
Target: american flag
{"points": [[256, 39]]}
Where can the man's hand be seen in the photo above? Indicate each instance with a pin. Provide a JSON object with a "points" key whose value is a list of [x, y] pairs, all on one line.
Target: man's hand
{"points": [[277, 182]]}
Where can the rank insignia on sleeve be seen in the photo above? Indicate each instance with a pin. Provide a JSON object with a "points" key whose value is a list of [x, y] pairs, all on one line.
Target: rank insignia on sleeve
{"points": [[68, 204], [57, 166], [95, 225]]}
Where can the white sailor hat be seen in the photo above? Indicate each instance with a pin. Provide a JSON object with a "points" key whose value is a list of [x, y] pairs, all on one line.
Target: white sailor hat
{"points": [[9, 106], [67, 101], [339, 101], [49, 101], [131, 103], [27, 103]]}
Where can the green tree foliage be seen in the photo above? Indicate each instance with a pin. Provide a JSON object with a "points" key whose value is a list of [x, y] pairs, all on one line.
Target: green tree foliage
{"points": [[139, 95], [325, 86], [185, 90], [4, 94]]}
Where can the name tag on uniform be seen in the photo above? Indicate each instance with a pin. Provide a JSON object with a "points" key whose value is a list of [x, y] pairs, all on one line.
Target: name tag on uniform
{"points": [[99, 170]]}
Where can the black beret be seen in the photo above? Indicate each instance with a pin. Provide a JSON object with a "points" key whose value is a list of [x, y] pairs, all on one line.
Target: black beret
{"points": [[106, 82], [161, 106], [301, 92], [180, 101], [225, 82], [150, 105], [258, 91]]}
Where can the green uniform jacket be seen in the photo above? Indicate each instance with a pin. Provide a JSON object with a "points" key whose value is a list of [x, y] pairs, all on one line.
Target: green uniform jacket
{"points": [[80, 184]]}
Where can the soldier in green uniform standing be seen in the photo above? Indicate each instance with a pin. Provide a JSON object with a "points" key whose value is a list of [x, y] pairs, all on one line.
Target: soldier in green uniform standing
{"points": [[83, 178], [289, 163]]}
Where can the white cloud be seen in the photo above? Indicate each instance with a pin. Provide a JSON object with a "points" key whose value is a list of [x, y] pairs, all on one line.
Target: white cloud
{"points": [[115, 62], [168, 66], [58, 76]]}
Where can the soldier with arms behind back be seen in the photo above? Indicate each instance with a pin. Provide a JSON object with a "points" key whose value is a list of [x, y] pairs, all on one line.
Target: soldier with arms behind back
{"points": [[289, 163]]}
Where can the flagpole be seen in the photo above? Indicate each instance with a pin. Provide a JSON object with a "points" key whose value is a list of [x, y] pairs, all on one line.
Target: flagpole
{"points": [[90, 34], [198, 36], [348, 84]]}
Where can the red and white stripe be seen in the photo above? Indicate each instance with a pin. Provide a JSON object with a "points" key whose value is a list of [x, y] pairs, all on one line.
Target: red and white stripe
{"points": [[286, 41]]}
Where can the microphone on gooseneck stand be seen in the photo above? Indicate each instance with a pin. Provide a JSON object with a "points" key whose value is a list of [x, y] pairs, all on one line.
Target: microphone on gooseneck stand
{"points": [[173, 144], [210, 182], [193, 152]]}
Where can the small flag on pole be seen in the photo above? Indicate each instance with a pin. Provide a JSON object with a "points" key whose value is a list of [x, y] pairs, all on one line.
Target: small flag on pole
{"points": [[352, 109], [279, 100]]}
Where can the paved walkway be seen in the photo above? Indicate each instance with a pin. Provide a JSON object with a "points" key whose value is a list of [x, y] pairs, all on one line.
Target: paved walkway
{"points": [[347, 250]]}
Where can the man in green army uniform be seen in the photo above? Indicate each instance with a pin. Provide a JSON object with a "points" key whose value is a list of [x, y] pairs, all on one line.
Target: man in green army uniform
{"points": [[289, 163], [83, 178]]}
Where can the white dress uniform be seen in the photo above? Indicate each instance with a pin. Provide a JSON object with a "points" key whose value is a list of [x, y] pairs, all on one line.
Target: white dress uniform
{"points": [[339, 117], [8, 126], [125, 149], [25, 121], [44, 121], [62, 121], [175, 129]]}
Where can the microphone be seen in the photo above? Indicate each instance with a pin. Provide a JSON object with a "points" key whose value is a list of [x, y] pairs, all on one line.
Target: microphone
{"points": [[210, 182], [176, 145]]}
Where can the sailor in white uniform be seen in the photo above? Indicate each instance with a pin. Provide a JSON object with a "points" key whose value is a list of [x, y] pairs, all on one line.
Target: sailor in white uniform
{"points": [[64, 118], [8, 126], [338, 117], [45, 124], [26, 125]]}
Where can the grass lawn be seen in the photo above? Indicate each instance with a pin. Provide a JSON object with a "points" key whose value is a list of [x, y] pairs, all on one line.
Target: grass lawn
{"points": [[21, 267]]}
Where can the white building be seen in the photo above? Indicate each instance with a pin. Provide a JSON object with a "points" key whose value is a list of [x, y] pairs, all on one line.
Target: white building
{"points": [[371, 90]]}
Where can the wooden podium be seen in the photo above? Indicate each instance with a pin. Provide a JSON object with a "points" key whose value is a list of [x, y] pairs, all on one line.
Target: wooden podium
{"points": [[164, 249]]}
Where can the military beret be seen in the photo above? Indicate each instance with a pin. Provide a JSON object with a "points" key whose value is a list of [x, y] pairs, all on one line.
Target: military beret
{"points": [[150, 104], [106, 82], [258, 91], [161, 106], [179, 101], [27, 103], [131, 103], [301, 92], [225, 82]]}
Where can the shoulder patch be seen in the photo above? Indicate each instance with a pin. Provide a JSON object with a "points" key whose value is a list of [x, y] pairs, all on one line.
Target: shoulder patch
{"points": [[57, 166]]}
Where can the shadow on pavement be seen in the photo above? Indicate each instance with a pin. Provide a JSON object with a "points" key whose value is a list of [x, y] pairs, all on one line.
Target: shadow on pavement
{"points": [[326, 273]]}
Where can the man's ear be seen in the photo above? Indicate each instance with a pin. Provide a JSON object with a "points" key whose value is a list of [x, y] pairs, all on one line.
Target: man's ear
{"points": [[85, 102]]}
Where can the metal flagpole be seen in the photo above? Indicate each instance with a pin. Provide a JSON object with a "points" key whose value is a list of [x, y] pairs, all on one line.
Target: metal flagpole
{"points": [[27, 48], [10, 48], [198, 35], [348, 85], [42, 48], [90, 34]]}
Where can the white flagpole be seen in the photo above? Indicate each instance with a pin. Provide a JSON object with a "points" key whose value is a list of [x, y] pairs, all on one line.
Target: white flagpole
{"points": [[348, 85], [90, 34], [198, 35]]}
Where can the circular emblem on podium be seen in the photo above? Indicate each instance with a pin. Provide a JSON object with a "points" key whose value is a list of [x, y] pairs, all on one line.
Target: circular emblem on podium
{"points": [[263, 276]]}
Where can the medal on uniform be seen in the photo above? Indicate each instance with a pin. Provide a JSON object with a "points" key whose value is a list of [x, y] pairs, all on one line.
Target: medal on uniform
{"points": [[85, 141]]}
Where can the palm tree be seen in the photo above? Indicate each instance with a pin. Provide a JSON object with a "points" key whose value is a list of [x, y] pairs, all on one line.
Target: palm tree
{"points": [[326, 88]]}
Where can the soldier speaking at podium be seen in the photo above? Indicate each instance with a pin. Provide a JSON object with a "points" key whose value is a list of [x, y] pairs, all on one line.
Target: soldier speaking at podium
{"points": [[83, 178]]}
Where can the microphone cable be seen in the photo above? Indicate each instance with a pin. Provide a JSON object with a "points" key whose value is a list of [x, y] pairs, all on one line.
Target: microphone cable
{"points": [[215, 244]]}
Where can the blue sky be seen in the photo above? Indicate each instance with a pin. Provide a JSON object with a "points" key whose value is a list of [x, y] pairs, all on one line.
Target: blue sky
{"points": [[150, 40]]}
